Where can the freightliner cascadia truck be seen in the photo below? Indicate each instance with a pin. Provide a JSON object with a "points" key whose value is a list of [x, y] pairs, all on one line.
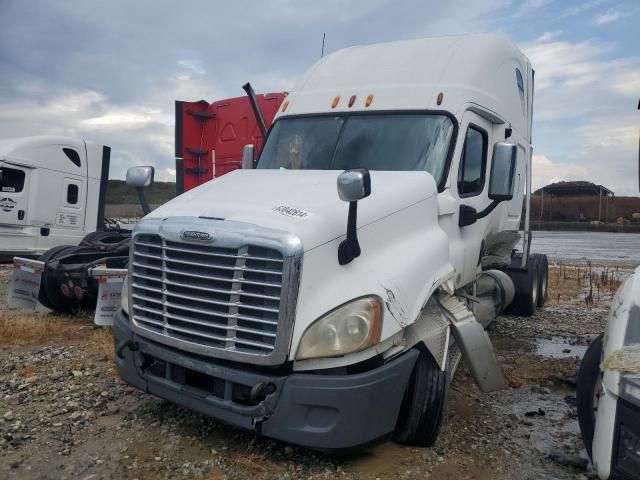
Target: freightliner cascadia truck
{"points": [[325, 295]]}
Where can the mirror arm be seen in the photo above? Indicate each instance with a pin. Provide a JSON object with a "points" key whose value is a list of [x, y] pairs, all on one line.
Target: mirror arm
{"points": [[469, 216], [350, 247], [488, 210], [143, 200]]}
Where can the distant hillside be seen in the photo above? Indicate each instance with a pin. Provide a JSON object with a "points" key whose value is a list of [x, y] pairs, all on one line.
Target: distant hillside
{"points": [[118, 193]]}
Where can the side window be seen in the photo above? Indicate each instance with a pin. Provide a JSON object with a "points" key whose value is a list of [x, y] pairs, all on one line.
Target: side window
{"points": [[473, 167], [72, 194], [11, 180]]}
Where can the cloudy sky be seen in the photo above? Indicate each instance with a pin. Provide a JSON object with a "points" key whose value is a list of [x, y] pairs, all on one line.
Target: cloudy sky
{"points": [[110, 71]]}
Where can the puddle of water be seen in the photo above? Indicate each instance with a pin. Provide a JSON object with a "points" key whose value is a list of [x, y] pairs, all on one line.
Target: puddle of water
{"points": [[559, 347]]}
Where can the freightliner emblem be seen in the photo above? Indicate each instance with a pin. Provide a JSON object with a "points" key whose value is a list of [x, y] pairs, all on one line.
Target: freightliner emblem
{"points": [[197, 236]]}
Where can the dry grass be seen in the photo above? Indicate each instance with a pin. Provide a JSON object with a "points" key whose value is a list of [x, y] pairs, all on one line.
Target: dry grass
{"points": [[19, 328], [587, 284], [104, 342]]}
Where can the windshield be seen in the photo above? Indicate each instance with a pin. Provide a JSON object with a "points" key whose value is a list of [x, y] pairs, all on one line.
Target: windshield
{"points": [[377, 142]]}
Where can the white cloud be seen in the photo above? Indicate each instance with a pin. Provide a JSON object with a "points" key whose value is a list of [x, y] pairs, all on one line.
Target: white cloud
{"points": [[194, 66], [582, 7], [126, 118], [578, 79], [546, 37], [528, 6], [627, 83], [610, 16], [546, 171], [166, 175]]}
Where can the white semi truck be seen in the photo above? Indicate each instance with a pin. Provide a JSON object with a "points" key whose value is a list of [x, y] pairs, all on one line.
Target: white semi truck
{"points": [[608, 387], [325, 297], [52, 192]]}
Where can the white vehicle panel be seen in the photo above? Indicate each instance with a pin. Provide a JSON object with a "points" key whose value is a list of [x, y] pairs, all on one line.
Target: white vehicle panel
{"points": [[402, 269], [302, 202]]}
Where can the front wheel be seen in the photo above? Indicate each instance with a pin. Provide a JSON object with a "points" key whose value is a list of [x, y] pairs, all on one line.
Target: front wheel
{"points": [[423, 407], [588, 391]]}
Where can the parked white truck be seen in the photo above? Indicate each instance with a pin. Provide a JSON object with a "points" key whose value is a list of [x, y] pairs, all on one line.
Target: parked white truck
{"points": [[52, 192], [608, 387], [334, 319]]}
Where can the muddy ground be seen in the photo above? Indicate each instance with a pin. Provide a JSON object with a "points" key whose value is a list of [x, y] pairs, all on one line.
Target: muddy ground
{"points": [[65, 414]]}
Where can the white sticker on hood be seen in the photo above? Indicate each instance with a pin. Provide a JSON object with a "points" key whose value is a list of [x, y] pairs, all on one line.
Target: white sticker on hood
{"points": [[292, 212]]}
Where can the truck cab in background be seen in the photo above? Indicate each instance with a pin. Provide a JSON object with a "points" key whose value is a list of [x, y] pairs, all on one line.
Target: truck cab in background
{"points": [[326, 296], [52, 192]]}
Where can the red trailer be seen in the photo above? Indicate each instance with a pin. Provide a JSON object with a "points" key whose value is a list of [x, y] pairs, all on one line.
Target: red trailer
{"points": [[210, 136]]}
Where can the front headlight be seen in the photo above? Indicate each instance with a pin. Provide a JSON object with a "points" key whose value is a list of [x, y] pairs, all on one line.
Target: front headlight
{"points": [[124, 296], [350, 328]]}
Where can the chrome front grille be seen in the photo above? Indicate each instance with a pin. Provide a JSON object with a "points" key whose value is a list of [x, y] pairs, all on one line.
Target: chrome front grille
{"points": [[218, 298]]}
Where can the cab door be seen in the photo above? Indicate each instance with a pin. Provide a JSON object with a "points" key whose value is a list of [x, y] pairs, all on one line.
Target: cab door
{"points": [[14, 194], [70, 214], [470, 181]]}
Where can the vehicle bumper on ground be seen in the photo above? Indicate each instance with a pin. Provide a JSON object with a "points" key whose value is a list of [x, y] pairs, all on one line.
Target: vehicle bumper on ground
{"points": [[332, 412]]}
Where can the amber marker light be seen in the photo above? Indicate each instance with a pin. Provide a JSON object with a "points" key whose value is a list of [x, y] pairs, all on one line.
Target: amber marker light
{"points": [[352, 100], [369, 100], [439, 99], [285, 105], [335, 101]]}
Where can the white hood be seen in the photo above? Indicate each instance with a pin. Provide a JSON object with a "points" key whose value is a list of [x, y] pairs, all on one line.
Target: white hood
{"points": [[302, 202]]}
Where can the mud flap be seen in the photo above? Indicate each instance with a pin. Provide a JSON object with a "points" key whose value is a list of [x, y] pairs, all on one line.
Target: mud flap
{"points": [[474, 344], [25, 283], [110, 281]]}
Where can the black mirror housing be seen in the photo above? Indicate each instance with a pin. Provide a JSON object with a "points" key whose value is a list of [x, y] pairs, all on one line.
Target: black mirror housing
{"points": [[467, 216], [503, 170]]}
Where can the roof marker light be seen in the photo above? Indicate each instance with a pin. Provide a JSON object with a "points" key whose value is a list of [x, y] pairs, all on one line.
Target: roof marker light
{"points": [[439, 100], [369, 100], [352, 100], [336, 99], [285, 105]]}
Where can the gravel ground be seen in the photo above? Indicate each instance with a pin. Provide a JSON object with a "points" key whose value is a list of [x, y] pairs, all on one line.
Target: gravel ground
{"points": [[65, 414]]}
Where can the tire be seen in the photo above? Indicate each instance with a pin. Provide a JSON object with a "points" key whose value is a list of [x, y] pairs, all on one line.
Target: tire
{"points": [[543, 277], [588, 389], [526, 283], [56, 300], [42, 293], [424, 404]]}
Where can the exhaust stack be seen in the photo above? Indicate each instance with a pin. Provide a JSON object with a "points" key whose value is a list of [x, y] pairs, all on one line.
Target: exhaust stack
{"points": [[256, 109]]}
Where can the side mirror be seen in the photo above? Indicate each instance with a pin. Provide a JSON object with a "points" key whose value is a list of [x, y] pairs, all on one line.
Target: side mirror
{"points": [[140, 177], [503, 170], [247, 157], [353, 185]]}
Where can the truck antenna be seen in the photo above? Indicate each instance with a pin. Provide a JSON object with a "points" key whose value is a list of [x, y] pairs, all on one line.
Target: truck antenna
{"points": [[322, 51]]}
